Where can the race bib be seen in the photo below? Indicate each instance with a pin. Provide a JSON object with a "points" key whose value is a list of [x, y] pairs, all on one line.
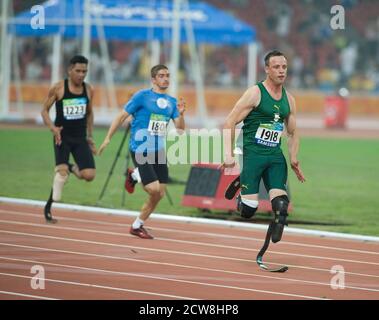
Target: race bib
{"points": [[74, 109], [268, 134], [157, 125]]}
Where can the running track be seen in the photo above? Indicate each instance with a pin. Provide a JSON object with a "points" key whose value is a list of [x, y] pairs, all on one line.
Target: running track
{"points": [[92, 256]]}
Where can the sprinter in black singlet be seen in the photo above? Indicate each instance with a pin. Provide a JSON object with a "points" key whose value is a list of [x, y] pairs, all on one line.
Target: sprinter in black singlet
{"points": [[72, 129]]}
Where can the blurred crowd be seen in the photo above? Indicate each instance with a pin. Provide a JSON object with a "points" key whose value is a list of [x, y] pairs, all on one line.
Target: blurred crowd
{"points": [[319, 57]]}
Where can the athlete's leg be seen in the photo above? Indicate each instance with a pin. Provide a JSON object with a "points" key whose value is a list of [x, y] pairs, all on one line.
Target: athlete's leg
{"points": [[279, 203], [62, 153], [155, 193], [87, 174], [161, 170], [275, 178], [151, 185], [60, 178], [247, 205], [84, 168], [73, 168], [84, 174], [247, 201], [162, 190], [154, 179], [47, 209]]}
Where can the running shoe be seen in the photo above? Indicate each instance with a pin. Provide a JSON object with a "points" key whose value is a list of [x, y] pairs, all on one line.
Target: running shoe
{"points": [[141, 232], [129, 181]]}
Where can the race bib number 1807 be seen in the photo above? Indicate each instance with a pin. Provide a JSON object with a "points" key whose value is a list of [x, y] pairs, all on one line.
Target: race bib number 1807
{"points": [[157, 125]]}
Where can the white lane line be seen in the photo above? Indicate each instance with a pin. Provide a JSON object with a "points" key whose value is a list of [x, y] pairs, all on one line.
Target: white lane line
{"points": [[11, 293], [206, 244], [195, 233], [179, 266], [92, 285], [289, 265], [118, 212], [181, 252], [129, 274]]}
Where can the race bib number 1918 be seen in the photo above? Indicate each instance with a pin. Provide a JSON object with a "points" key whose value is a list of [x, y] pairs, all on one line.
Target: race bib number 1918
{"points": [[269, 134]]}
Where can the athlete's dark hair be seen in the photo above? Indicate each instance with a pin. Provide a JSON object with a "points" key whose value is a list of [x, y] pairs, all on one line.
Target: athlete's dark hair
{"points": [[78, 59], [273, 53], [154, 70]]}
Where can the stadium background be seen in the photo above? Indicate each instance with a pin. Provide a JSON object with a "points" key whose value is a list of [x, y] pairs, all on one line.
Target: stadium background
{"points": [[321, 59]]}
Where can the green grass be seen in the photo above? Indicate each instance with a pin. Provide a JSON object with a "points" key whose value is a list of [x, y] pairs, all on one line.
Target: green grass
{"points": [[341, 192]]}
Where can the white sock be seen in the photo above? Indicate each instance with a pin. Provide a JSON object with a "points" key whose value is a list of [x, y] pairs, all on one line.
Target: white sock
{"points": [[138, 223], [135, 175], [250, 203]]}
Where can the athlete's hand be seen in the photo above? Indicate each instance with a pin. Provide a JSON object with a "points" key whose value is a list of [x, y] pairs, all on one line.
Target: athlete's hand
{"points": [[230, 166], [57, 135], [181, 106], [92, 145], [229, 162], [103, 146], [295, 165]]}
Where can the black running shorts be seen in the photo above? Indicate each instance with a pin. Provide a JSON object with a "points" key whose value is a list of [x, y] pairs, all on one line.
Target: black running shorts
{"points": [[153, 166], [79, 149]]}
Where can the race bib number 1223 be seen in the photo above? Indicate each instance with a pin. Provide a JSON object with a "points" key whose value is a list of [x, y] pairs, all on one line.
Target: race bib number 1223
{"points": [[74, 109]]}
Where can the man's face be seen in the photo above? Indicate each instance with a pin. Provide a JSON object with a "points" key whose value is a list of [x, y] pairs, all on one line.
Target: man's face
{"points": [[78, 72], [162, 79], [277, 69]]}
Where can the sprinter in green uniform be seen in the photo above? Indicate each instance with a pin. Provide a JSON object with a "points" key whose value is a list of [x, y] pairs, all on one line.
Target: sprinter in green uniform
{"points": [[266, 109]]}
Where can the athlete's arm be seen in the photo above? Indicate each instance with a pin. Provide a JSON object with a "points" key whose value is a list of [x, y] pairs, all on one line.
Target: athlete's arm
{"points": [[128, 122], [249, 100], [293, 140], [118, 121], [52, 97], [179, 121], [90, 118]]}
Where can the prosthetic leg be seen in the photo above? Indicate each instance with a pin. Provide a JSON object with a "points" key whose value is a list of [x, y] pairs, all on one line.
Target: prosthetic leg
{"points": [[233, 188], [275, 230], [47, 210], [56, 193]]}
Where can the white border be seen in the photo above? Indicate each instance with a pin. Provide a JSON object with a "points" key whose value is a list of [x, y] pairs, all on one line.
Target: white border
{"points": [[169, 217]]}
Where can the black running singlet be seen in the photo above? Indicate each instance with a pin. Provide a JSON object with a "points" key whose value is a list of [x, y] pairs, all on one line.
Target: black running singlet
{"points": [[71, 112]]}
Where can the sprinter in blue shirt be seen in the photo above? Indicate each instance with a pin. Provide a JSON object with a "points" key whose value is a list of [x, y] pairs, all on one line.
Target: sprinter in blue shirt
{"points": [[151, 110]]}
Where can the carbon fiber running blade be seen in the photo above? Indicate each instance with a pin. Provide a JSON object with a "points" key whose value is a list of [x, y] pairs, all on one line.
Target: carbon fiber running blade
{"points": [[233, 188], [265, 267], [264, 249]]}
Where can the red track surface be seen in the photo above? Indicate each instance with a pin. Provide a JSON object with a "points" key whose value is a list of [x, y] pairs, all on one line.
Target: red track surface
{"points": [[92, 256]]}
